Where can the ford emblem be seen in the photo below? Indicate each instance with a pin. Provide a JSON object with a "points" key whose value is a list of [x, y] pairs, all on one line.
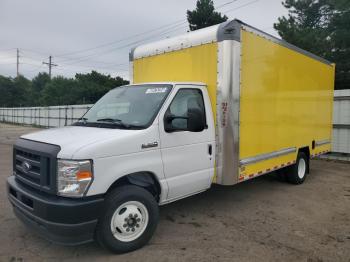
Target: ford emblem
{"points": [[26, 166]]}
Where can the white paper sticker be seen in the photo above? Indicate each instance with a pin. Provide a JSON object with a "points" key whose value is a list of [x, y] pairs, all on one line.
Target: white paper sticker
{"points": [[156, 90]]}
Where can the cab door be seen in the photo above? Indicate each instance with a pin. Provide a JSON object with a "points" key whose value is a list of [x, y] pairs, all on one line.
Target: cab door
{"points": [[188, 156]]}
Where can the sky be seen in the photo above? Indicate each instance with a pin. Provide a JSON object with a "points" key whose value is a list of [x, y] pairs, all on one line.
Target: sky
{"points": [[85, 35]]}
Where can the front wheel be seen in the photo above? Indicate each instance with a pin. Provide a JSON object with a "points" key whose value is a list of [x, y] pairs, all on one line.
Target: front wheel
{"points": [[296, 174], [129, 220]]}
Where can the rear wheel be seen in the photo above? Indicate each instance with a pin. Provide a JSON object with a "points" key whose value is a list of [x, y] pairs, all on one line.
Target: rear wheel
{"points": [[296, 174], [129, 220]]}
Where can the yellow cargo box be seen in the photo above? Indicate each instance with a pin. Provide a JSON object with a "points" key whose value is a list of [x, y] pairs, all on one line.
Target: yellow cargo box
{"points": [[270, 99]]}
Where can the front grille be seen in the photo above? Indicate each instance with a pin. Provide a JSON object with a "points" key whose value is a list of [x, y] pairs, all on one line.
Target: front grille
{"points": [[33, 173], [35, 164]]}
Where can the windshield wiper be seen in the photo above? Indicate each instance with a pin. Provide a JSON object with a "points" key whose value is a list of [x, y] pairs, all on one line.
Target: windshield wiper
{"points": [[112, 120], [106, 121], [117, 122]]}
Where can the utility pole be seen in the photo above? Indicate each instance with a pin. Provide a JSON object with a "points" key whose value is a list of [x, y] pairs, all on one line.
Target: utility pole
{"points": [[50, 64], [17, 62]]}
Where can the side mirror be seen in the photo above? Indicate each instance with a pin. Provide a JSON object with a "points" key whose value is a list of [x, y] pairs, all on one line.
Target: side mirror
{"points": [[195, 120], [168, 123]]}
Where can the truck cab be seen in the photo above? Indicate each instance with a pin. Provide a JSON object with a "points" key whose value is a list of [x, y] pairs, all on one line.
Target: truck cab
{"points": [[138, 147]]}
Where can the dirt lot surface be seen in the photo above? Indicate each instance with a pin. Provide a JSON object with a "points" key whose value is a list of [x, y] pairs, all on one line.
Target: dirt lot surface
{"points": [[263, 219]]}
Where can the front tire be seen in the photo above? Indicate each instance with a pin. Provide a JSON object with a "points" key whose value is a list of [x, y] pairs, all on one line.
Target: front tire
{"points": [[296, 174], [129, 219]]}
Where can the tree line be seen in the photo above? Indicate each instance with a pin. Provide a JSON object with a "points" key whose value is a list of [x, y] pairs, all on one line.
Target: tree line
{"points": [[43, 91]]}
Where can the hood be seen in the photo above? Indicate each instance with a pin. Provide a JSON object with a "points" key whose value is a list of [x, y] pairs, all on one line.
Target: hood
{"points": [[79, 142]]}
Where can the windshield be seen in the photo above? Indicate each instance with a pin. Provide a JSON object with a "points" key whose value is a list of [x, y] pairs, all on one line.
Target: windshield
{"points": [[133, 106]]}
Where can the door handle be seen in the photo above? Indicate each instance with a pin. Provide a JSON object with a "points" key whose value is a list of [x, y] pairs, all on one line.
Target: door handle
{"points": [[210, 149], [149, 145]]}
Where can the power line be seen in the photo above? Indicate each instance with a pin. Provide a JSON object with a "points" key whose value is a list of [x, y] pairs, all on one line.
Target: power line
{"points": [[7, 64], [239, 7], [109, 67], [39, 53], [166, 31], [13, 57], [6, 50], [34, 51], [139, 34], [25, 63], [50, 64], [7, 56], [100, 68], [37, 68], [117, 41], [163, 32]]}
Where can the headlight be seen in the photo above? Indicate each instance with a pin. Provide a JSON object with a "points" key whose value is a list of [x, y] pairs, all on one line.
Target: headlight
{"points": [[73, 177]]}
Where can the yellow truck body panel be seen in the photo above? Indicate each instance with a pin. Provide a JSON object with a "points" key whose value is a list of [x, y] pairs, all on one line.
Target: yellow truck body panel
{"points": [[270, 99], [285, 101]]}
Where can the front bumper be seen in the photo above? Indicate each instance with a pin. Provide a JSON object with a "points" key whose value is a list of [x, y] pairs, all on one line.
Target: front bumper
{"points": [[60, 220]]}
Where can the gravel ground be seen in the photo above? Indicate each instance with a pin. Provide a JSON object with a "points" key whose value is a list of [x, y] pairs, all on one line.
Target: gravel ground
{"points": [[263, 219]]}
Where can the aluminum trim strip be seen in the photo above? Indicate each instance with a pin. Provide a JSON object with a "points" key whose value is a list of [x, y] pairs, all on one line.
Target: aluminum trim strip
{"points": [[227, 104], [131, 72], [344, 126], [262, 157], [337, 98], [322, 142], [236, 94]]}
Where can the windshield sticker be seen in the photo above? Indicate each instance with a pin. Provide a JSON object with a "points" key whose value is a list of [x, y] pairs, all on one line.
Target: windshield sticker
{"points": [[156, 90]]}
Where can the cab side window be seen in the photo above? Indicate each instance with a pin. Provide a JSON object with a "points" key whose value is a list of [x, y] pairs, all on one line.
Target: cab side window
{"points": [[184, 101]]}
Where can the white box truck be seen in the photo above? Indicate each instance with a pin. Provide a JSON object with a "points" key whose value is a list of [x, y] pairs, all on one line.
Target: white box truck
{"points": [[219, 105]]}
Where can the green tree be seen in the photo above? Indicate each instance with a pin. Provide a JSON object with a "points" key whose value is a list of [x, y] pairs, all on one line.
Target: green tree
{"points": [[14, 91], [6, 85], [38, 85], [60, 91], [94, 85], [20, 91], [321, 27], [83, 89], [204, 15], [340, 35]]}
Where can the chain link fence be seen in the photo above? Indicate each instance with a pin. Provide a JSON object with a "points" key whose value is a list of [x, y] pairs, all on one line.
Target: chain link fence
{"points": [[51, 116]]}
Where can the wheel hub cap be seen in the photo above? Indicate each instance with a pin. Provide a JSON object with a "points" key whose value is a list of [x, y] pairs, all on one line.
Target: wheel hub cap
{"points": [[301, 168], [129, 221]]}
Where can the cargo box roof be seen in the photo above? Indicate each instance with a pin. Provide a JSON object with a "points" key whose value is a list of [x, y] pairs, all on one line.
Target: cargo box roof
{"points": [[229, 30]]}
